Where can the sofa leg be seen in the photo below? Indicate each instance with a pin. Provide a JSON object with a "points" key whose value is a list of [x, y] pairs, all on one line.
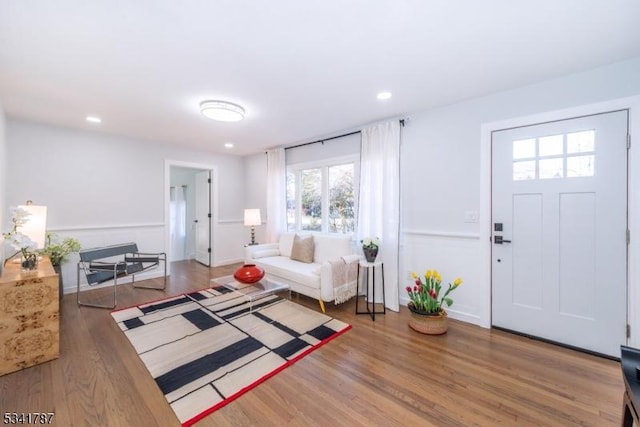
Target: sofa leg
{"points": [[322, 306]]}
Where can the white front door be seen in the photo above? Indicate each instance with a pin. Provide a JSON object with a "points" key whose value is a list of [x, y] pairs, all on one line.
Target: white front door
{"points": [[559, 238], [203, 218]]}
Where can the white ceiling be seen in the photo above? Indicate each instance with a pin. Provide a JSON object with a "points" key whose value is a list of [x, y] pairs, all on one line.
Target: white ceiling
{"points": [[302, 69]]}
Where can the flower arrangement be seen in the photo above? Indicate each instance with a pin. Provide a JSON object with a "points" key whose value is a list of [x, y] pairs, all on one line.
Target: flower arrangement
{"points": [[20, 241], [370, 243], [425, 293], [57, 251]]}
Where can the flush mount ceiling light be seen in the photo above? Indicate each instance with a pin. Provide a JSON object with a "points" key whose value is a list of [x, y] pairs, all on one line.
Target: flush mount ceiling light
{"points": [[222, 111], [93, 119], [383, 96]]}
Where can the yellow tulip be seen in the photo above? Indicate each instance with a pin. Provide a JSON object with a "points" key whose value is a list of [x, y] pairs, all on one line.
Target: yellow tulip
{"points": [[457, 282], [427, 274], [414, 275]]}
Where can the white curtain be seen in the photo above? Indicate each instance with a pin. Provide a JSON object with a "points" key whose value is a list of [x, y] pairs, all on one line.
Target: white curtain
{"points": [[276, 194], [178, 223], [379, 201]]}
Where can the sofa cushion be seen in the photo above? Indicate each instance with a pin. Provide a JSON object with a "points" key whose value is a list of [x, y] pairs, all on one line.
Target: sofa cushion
{"points": [[328, 247], [302, 249], [286, 243], [291, 270]]}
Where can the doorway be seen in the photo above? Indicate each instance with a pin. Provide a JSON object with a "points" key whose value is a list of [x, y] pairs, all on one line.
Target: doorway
{"points": [[189, 212], [559, 231]]}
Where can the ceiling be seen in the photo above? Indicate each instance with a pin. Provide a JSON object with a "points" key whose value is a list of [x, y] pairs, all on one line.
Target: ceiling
{"points": [[303, 70]]}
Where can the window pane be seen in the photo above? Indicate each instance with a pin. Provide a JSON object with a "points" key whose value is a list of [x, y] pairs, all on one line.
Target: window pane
{"points": [[551, 145], [551, 168], [341, 199], [581, 142], [524, 148], [291, 201], [580, 166], [311, 195], [524, 170]]}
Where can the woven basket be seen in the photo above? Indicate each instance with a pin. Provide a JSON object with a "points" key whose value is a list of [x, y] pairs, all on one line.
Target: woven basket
{"points": [[429, 324]]}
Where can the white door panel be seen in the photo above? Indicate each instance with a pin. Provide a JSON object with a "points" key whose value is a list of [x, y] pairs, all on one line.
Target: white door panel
{"points": [[203, 218], [560, 192]]}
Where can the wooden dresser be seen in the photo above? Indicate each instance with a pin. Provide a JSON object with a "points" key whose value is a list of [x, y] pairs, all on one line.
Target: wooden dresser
{"points": [[29, 316]]}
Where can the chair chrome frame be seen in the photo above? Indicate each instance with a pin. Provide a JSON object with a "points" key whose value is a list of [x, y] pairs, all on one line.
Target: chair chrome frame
{"points": [[98, 270]]}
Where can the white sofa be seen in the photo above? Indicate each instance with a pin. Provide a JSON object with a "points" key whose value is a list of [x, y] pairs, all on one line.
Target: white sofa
{"points": [[313, 279]]}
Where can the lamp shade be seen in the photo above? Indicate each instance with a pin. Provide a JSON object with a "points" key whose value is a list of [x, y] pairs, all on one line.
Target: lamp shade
{"points": [[35, 226], [252, 217]]}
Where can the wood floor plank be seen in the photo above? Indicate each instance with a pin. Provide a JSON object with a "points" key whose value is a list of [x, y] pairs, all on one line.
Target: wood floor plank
{"points": [[378, 373]]}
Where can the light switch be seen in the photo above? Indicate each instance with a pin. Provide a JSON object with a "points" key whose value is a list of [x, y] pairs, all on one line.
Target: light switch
{"points": [[471, 216]]}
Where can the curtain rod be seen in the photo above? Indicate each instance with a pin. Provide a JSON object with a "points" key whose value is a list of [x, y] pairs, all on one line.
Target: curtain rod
{"points": [[333, 137]]}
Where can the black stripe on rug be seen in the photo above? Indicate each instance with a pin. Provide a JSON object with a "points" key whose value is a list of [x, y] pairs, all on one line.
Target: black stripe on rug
{"points": [[244, 310], [290, 348], [200, 319], [321, 332], [197, 296], [278, 325], [163, 305], [183, 375], [133, 323]]}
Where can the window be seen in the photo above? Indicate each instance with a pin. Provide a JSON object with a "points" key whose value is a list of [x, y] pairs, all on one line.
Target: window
{"points": [[554, 156], [321, 197]]}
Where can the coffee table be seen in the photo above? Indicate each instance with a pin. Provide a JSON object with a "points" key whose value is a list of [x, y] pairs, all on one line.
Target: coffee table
{"points": [[252, 291]]}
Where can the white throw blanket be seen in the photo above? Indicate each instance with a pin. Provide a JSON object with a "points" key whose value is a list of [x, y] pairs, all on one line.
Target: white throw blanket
{"points": [[344, 272]]}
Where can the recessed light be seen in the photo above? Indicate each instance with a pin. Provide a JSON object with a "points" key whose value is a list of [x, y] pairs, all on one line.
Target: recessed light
{"points": [[222, 111], [383, 96], [94, 119], [228, 145]]}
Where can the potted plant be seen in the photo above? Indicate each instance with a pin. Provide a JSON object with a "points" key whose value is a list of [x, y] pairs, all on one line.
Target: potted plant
{"points": [[59, 251], [427, 305], [370, 248]]}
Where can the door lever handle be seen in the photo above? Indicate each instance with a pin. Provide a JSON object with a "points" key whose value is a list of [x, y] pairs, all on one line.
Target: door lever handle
{"points": [[498, 240]]}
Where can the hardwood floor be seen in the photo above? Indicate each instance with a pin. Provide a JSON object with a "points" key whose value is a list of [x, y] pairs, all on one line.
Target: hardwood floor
{"points": [[378, 373]]}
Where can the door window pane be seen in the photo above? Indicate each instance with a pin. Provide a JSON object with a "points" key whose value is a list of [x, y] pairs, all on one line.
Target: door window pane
{"points": [[341, 199], [524, 148], [291, 201], [551, 168], [581, 142], [580, 166], [551, 145], [524, 170], [311, 199]]}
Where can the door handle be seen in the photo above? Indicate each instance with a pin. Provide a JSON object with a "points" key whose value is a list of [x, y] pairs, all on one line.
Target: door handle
{"points": [[498, 240]]}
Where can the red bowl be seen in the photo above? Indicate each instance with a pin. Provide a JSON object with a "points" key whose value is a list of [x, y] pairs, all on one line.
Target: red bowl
{"points": [[248, 273]]}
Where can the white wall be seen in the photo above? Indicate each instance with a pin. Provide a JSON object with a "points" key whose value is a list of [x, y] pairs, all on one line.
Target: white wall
{"points": [[104, 189], [440, 179], [255, 195]]}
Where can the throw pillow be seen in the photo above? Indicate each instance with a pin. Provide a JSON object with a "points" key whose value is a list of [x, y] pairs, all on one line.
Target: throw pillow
{"points": [[302, 249]]}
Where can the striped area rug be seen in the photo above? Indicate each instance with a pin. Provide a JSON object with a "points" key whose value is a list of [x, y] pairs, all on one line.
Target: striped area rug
{"points": [[205, 349]]}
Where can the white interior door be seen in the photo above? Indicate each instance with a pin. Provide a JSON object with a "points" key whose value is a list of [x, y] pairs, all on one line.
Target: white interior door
{"points": [[203, 218], [559, 218]]}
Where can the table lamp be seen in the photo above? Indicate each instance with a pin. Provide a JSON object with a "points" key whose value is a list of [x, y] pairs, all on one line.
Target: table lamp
{"points": [[251, 219], [35, 227]]}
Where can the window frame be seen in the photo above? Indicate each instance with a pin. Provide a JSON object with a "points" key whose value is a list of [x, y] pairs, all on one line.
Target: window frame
{"points": [[324, 165]]}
